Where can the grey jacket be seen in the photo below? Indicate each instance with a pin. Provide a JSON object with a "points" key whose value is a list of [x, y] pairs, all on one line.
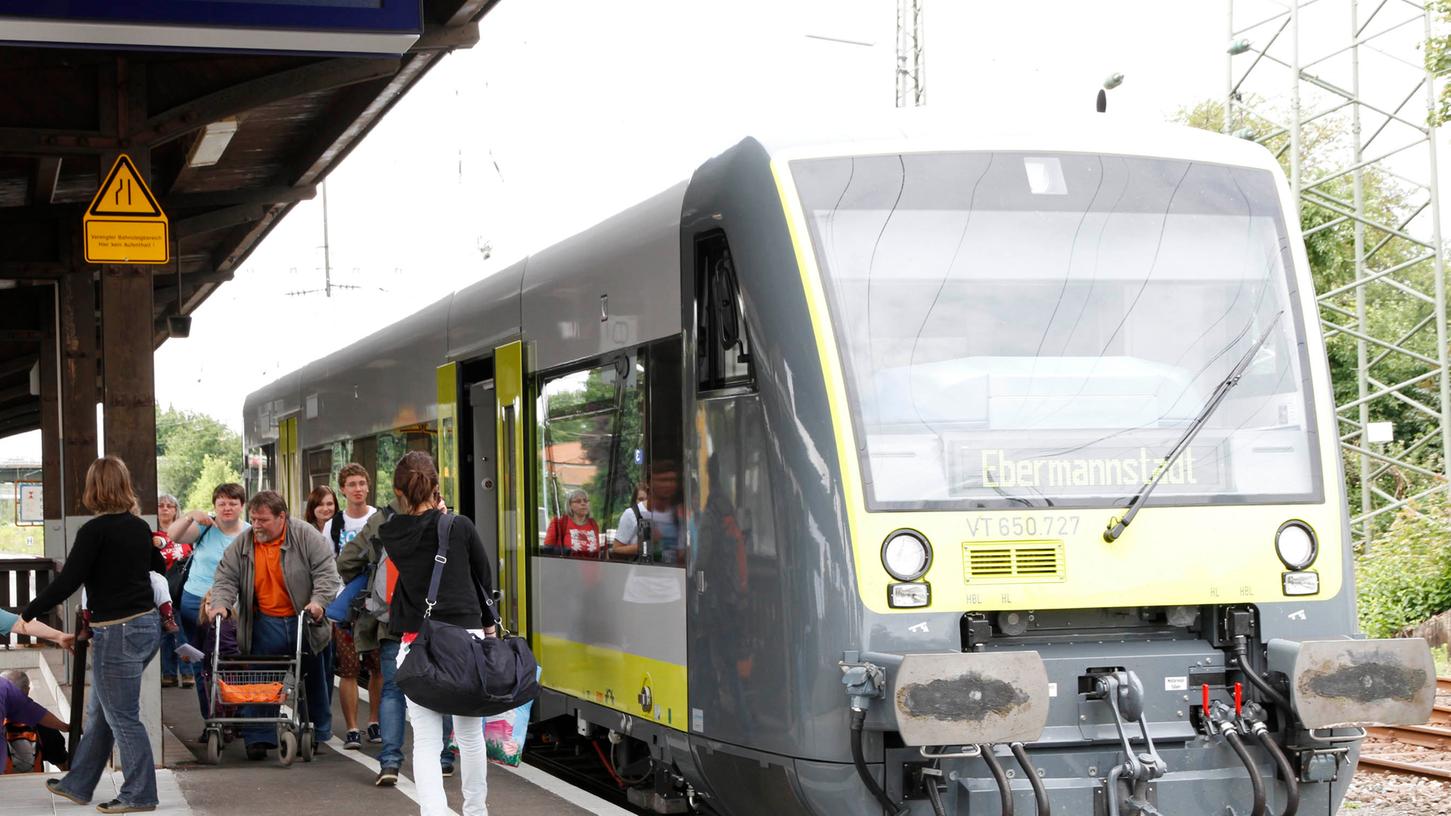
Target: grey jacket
{"points": [[308, 570], [358, 555]]}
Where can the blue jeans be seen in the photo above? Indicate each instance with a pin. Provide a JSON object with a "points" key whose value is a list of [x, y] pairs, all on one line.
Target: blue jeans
{"points": [[278, 636], [191, 609], [119, 654], [392, 711]]}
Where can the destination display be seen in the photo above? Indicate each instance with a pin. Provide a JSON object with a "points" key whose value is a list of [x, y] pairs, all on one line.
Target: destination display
{"points": [[379, 27]]}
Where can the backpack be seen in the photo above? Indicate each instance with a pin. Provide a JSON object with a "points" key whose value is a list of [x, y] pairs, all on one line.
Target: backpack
{"points": [[642, 532], [382, 579]]}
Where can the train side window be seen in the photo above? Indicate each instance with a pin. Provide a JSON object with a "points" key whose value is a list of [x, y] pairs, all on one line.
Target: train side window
{"points": [[723, 341], [591, 454], [664, 503]]}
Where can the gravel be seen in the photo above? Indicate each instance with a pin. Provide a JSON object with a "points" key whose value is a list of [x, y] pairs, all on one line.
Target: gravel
{"points": [[1374, 793], [1381, 794]]}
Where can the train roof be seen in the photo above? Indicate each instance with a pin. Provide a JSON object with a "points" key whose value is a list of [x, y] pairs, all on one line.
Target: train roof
{"points": [[647, 224]]}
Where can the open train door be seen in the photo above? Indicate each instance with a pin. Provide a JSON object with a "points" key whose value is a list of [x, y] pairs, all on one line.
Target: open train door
{"points": [[480, 468], [510, 392]]}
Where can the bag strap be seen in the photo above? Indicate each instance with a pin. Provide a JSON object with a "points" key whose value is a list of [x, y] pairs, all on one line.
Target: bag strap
{"points": [[445, 523]]}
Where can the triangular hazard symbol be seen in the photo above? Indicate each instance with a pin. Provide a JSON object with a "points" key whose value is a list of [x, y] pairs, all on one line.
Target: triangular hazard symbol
{"points": [[124, 193]]}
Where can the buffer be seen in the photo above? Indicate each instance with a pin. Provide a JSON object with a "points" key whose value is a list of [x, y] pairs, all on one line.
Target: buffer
{"points": [[124, 224]]}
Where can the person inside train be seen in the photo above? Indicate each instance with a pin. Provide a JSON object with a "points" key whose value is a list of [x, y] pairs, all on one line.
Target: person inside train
{"points": [[649, 530], [576, 533], [278, 568]]}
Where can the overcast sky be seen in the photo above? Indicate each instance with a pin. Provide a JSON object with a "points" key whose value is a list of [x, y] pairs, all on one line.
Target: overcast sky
{"points": [[569, 110]]}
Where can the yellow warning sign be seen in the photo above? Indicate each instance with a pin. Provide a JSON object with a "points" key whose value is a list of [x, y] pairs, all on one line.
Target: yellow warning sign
{"points": [[124, 224]]}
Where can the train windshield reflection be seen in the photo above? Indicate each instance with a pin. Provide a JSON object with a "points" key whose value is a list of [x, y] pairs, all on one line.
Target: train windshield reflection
{"points": [[1038, 329]]}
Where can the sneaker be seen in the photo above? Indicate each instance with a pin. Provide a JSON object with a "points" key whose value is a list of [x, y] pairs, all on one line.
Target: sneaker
{"points": [[353, 741], [375, 733], [53, 785], [447, 768], [188, 681], [117, 806], [387, 777], [168, 681]]}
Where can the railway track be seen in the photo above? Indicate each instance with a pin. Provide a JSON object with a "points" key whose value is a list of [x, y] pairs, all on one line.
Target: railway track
{"points": [[1415, 750]]}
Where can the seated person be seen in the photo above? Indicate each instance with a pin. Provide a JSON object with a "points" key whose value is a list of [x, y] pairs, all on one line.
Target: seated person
{"points": [[576, 534], [31, 743]]}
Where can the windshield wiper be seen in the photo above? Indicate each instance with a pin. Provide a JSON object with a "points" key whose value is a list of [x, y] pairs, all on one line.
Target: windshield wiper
{"points": [[1116, 525]]}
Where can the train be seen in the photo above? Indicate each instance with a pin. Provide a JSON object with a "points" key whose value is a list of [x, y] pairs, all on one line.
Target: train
{"points": [[968, 470]]}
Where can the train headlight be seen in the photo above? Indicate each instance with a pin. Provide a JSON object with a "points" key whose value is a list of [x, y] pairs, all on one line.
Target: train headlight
{"points": [[1295, 544], [906, 555]]}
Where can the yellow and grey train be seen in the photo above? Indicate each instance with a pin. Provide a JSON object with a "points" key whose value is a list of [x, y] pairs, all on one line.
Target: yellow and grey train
{"points": [[924, 470]]}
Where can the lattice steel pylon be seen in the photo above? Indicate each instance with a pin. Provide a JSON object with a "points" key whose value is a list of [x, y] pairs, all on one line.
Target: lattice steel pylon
{"points": [[911, 62], [1362, 161]]}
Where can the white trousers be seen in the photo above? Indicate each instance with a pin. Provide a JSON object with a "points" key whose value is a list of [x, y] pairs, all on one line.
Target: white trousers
{"points": [[473, 761]]}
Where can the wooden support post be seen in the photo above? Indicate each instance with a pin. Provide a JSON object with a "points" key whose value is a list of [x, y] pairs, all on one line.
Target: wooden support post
{"points": [[52, 468], [130, 393], [77, 305]]}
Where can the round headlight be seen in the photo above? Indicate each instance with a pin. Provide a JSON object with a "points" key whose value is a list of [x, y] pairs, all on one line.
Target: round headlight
{"points": [[1295, 544], [906, 555]]}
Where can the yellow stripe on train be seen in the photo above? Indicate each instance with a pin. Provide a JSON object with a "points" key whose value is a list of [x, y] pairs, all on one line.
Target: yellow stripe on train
{"points": [[615, 679]]}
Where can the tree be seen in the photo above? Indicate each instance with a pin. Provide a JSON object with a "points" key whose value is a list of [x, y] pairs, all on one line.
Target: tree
{"points": [[1330, 247], [215, 470], [184, 442], [1438, 57]]}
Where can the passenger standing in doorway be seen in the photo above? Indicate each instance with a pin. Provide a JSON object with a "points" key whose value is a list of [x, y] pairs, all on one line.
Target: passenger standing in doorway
{"points": [[113, 558], [350, 661], [411, 541], [209, 535], [174, 671]]}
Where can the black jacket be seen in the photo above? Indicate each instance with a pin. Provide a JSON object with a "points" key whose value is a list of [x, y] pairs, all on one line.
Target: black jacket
{"points": [[112, 557], [411, 543]]}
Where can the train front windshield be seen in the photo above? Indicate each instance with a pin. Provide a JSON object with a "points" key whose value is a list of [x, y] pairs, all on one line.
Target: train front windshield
{"points": [[1037, 329]]}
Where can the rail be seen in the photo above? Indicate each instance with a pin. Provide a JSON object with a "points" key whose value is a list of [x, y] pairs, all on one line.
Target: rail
{"points": [[21, 579]]}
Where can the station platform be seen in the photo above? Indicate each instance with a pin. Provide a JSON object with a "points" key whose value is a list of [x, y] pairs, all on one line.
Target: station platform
{"points": [[337, 781]]}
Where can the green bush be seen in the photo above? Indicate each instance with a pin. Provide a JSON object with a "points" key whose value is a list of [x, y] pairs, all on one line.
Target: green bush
{"points": [[1404, 576]]}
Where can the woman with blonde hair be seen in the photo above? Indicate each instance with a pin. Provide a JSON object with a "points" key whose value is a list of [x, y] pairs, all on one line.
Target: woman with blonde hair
{"points": [[112, 557]]}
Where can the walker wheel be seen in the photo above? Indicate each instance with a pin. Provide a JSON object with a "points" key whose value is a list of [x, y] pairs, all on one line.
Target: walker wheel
{"points": [[287, 748], [308, 747], [212, 747]]}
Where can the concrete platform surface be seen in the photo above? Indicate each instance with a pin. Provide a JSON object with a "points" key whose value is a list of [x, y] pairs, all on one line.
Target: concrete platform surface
{"points": [[25, 794], [338, 781]]}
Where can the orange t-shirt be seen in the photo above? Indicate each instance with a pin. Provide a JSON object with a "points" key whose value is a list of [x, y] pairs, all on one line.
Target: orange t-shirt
{"points": [[272, 597]]}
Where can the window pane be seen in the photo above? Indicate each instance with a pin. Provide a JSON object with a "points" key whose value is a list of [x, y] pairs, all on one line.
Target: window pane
{"points": [[591, 449]]}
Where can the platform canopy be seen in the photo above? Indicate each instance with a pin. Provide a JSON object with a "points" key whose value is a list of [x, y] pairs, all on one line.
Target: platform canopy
{"points": [[231, 112]]}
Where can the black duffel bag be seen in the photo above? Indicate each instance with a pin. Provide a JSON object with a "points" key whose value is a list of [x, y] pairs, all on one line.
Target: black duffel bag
{"points": [[450, 670]]}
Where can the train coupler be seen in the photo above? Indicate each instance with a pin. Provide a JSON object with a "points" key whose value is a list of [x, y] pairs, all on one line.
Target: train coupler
{"points": [[1129, 789]]}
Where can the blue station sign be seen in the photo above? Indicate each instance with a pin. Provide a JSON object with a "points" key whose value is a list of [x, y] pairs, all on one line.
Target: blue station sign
{"points": [[372, 27]]}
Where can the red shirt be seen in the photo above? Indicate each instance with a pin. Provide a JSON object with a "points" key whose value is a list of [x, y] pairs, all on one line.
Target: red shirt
{"points": [[172, 551], [580, 540]]}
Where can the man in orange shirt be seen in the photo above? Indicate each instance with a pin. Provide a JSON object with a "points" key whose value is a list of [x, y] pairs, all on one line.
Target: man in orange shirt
{"points": [[271, 573]]}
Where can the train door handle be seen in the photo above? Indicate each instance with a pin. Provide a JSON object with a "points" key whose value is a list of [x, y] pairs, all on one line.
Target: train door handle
{"points": [[700, 581]]}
